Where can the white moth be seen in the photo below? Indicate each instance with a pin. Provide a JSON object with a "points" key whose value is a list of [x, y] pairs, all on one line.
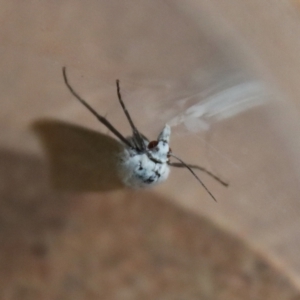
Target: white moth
{"points": [[146, 168], [143, 163]]}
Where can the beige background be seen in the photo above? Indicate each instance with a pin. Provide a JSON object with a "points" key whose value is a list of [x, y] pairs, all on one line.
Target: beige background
{"points": [[164, 52]]}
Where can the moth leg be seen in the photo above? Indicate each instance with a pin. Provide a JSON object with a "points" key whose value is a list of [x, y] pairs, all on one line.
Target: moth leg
{"points": [[180, 165], [103, 120], [137, 135], [195, 175]]}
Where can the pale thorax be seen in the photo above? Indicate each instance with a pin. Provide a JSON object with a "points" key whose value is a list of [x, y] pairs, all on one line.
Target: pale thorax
{"points": [[140, 169]]}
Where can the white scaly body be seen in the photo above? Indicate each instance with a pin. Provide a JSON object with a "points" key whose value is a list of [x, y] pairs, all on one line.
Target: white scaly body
{"points": [[147, 168], [142, 163]]}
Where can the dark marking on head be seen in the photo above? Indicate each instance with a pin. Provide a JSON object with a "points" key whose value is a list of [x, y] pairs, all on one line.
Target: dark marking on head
{"points": [[152, 144]]}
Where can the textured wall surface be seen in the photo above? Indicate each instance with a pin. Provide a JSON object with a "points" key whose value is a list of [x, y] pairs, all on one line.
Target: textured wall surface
{"points": [[120, 245], [225, 75]]}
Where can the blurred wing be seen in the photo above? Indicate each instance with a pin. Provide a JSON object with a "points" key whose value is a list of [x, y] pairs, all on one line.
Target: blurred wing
{"points": [[80, 159]]}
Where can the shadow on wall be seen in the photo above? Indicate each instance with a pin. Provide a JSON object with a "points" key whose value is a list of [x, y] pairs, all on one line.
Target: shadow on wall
{"points": [[80, 159], [107, 245]]}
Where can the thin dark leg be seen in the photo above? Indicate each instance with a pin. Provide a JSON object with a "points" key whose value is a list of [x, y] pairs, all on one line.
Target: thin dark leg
{"points": [[188, 167], [137, 135], [180, 165], [99, 117]]}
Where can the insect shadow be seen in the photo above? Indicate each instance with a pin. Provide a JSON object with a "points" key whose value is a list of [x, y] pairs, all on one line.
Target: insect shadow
{"points": [[81, 159]]}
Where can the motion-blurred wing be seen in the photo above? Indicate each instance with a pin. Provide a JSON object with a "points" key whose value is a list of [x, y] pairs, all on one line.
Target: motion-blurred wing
{"points": [[80, 159]]}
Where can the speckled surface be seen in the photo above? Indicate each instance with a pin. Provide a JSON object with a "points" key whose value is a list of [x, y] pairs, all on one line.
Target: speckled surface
{"points": [[119, 245]]}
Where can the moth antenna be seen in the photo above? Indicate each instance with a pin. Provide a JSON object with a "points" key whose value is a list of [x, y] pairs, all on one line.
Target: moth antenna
{"points": [[180, 165], [136, 133], [191, 170], [103, 120]]}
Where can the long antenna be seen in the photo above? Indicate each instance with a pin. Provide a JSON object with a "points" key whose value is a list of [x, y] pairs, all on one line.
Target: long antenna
{"points": [[180, 165], [136, 133], [190, 169], [103, 120]]}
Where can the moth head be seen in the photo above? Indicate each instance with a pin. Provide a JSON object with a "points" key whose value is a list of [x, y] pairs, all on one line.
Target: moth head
{"points": [[159, 150]]}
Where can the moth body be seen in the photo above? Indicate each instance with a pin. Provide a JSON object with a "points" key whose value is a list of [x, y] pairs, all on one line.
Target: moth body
{"points": [[142, 163], [149, 167]]}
